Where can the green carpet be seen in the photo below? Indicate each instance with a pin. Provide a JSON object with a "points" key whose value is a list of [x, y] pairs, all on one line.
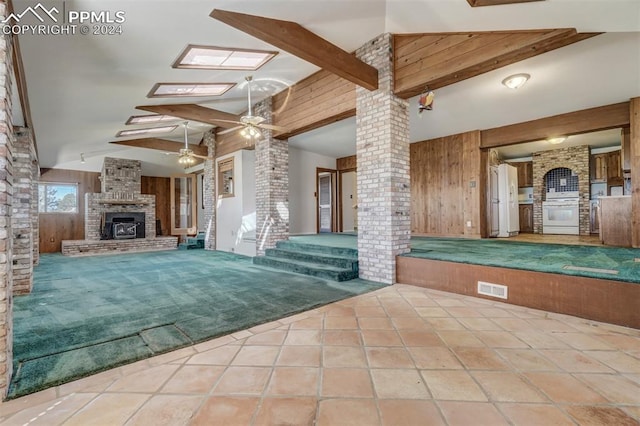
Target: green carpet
{"points": [[612, 263], [90, 314]]}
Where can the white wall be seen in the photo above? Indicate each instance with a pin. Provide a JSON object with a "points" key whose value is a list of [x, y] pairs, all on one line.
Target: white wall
{"points": [[302, 186], [235, 219]]}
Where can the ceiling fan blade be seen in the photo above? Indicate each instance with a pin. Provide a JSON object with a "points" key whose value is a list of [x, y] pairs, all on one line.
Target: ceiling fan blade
{"points": [[231, 130], [194, 112], [272, 127], [161, 145]]}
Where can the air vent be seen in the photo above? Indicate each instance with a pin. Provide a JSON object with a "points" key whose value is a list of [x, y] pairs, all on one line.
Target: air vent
{"points": [[493, 290]]}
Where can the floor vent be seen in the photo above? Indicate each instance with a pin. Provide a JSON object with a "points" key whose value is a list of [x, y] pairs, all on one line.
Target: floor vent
{"points": [[493, 290]]}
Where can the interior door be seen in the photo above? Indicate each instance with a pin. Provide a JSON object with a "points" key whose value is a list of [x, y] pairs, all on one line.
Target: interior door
{"points": [[325, 200], [349, 201], [494, 202], [183, 204]]}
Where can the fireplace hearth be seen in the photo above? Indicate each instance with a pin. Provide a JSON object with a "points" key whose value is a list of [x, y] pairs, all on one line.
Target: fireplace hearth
{"points": [[126, 225]]}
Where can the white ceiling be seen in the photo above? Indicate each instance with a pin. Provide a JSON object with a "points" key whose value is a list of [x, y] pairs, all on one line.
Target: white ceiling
{"points": [[82, 88]]}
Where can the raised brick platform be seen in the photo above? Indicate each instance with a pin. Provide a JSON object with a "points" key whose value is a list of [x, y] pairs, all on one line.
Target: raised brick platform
{"points": [[97, 247]]}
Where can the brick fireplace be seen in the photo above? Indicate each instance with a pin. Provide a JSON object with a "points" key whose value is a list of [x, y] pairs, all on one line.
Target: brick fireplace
{"points": [[120, 184], [119, 218]]}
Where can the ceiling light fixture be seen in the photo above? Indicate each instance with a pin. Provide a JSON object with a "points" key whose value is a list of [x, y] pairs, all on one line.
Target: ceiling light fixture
{"points": [[557, 140], [82, 158], [217, 58], [138, 132], [173, 90], [148, 119], [516, 81]]}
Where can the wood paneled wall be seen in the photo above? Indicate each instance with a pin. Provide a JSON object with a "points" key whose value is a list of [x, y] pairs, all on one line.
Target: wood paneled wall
{"points": [[159, 186], [347, 163], [448, 186], [55, 227]]}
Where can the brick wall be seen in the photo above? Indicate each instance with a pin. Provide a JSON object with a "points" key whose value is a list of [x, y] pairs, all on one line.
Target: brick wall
{"points": [[209, 192], [22, 213], [272, 186], [382, 146], [6, 203], [575, 158]]}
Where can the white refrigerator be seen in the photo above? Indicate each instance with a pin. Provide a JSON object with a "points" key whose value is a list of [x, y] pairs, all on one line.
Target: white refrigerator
{"points": [[508, 209]]}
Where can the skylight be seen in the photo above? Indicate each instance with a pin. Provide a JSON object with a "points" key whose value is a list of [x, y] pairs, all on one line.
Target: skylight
{"points": [[216, 58], [151, 130], [172, 90], [147, 119]]}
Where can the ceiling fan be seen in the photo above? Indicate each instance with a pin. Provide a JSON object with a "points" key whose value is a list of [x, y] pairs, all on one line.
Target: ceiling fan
{"points": [[250, 124], [186, 156]]}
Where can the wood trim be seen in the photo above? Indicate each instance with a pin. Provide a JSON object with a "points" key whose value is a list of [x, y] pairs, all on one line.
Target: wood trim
{"points": [[196, 113], [572, 123], [635, 171], [347, 164], [477, 3], [596, 299], [194, 203], [334, 219], [297, 40], [162, 145], [440, 59]]}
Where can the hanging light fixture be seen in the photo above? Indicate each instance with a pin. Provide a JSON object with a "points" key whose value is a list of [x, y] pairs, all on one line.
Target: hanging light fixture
{"points": [[516, 81]]}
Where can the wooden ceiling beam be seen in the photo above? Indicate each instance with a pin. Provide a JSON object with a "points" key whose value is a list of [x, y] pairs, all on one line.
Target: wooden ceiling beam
{"points": [[476, 3], [297, 40], [438, 60], [572, 123], [162, 145], [194, 112]]}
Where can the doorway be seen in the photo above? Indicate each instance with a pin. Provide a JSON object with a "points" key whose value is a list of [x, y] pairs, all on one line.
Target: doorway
{"points": [[326, 200], [348, 217]]}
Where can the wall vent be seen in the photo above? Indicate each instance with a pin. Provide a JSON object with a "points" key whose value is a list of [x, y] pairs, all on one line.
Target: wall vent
{"points": [[493, 290]]}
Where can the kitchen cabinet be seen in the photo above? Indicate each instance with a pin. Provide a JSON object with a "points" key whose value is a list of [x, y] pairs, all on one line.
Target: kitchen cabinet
{"points": [[615, 220], [525, 173], [614, 168], [599, 167], [594, 217], [526, 218]]}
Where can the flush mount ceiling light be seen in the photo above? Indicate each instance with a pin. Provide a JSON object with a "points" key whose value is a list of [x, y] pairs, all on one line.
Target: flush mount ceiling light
{"points": [[147, 119], [218, 58], [557, 140], [516, 81], [176, 90], [138, 132]]}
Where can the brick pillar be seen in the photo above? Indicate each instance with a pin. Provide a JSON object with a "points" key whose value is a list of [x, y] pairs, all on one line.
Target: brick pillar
{"points": [[21, 213], [272, 185], [209, 192], [35, 224], [6, 202], [382, 146]]}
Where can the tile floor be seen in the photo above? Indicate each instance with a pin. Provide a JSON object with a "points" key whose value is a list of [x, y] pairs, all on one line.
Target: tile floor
{"points": [[401, 355]]}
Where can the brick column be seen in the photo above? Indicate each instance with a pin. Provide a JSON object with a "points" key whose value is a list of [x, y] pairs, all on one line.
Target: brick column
{"points": [[21, 213], [6, 203], [209, 192], [382, 146], [35, 224], [272, 185]]}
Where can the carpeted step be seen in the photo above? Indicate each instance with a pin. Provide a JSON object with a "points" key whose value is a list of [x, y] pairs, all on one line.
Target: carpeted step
{"points": [[187, 246], [343, 262], [316, 248], [307, 268]]}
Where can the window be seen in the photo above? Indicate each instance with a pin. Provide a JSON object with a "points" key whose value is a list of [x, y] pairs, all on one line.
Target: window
{"points": [[57, 197]]}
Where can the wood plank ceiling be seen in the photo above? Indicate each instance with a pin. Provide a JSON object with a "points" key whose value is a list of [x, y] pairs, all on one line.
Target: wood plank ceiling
{"points": [[436, 60]]}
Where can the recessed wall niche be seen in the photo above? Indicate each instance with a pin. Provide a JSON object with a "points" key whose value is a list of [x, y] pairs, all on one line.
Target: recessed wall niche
{"points": [[225, 178]]}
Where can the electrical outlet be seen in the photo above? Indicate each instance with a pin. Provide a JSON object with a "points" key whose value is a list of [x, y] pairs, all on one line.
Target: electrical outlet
{"points": [[468, 224], [52, 240]]}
